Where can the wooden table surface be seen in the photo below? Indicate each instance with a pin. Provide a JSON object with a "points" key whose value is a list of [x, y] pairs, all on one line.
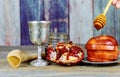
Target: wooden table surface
{"points": [[54, 70]]}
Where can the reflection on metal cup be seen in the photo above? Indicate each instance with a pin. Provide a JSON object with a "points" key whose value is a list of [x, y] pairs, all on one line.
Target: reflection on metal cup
{"points": [[62, 37], [54, 38]]}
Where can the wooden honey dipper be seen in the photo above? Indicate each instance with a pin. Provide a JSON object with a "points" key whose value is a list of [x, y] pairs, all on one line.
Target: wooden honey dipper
{"points": [[100, 20]]}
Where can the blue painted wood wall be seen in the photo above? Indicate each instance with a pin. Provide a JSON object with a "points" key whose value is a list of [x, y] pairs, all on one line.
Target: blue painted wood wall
{"points": [[74, 17], [55, 11]]}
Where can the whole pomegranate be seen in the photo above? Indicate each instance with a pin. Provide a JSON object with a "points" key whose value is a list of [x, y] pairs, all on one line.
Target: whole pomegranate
{"points": [[65, 53]]}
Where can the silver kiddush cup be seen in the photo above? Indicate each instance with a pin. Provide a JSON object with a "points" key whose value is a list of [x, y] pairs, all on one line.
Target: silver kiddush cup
{"points": [[39, 35]]}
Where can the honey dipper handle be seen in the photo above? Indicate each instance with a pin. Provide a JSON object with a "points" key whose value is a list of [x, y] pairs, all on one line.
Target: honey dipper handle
{"points": [[107, 7]]}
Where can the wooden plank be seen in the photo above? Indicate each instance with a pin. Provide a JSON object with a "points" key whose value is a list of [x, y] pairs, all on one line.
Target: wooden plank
{"points": [[2, 23], [59, 15], [81, 21], [10, 23]]}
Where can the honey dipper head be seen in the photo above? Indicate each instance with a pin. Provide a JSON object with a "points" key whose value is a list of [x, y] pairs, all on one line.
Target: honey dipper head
{"points": [[100, 21]]}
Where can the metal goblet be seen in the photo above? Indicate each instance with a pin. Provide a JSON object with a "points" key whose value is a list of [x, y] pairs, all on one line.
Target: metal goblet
{"points": [[39, 34]]}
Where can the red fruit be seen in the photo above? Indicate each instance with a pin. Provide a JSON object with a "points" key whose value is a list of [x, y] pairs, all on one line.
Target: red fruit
{"points": [[65, 54], [102, 48]]}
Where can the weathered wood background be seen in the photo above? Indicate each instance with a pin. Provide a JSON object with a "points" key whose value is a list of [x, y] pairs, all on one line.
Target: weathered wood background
{"points": [[74, 17]]}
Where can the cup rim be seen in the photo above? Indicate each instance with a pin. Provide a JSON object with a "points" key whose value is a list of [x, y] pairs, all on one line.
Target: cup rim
{"points": [[39, 21]]}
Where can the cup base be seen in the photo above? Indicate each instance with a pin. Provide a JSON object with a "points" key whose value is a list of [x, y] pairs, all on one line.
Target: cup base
{"points": [[39, 63]]}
